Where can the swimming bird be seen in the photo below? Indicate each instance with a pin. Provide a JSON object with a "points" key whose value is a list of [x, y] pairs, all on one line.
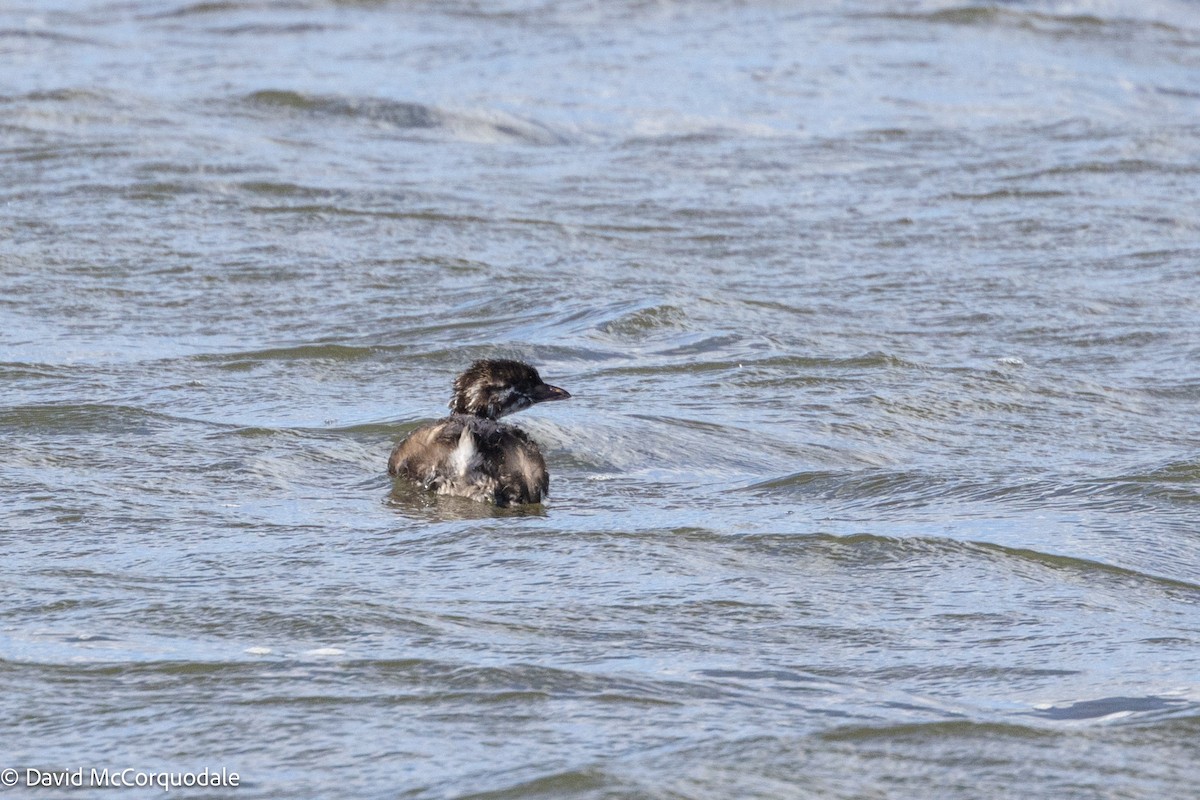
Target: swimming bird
{"points": [[470, 453]]}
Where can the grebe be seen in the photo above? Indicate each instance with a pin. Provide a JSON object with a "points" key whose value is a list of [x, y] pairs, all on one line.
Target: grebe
{"points": [[471, 454]]}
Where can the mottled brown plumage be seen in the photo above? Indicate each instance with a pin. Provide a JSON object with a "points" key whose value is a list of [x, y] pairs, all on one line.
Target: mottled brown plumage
{"points": [[470, 454]]}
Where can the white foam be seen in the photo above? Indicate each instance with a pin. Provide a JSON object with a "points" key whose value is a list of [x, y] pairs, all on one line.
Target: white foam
{"points": [[326, 651]]}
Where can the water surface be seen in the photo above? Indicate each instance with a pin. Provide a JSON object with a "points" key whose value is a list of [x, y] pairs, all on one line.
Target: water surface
{"points": [[880, 477]]}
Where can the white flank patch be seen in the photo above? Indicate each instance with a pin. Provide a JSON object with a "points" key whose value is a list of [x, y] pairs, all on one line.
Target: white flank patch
{"points": [[465, 455]]}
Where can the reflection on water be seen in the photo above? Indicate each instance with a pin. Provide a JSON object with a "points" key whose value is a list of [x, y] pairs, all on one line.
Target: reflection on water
{"points": [[418, 504]]}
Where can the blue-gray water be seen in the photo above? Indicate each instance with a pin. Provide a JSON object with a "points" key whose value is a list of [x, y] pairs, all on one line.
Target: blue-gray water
{"points": [[882, 473]]}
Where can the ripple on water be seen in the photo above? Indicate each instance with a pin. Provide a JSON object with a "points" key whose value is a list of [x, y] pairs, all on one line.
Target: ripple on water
{"points": [[477, 125]]}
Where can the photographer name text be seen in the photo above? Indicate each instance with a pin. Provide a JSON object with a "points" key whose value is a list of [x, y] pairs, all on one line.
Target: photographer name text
{"points": [[128, 777]]}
